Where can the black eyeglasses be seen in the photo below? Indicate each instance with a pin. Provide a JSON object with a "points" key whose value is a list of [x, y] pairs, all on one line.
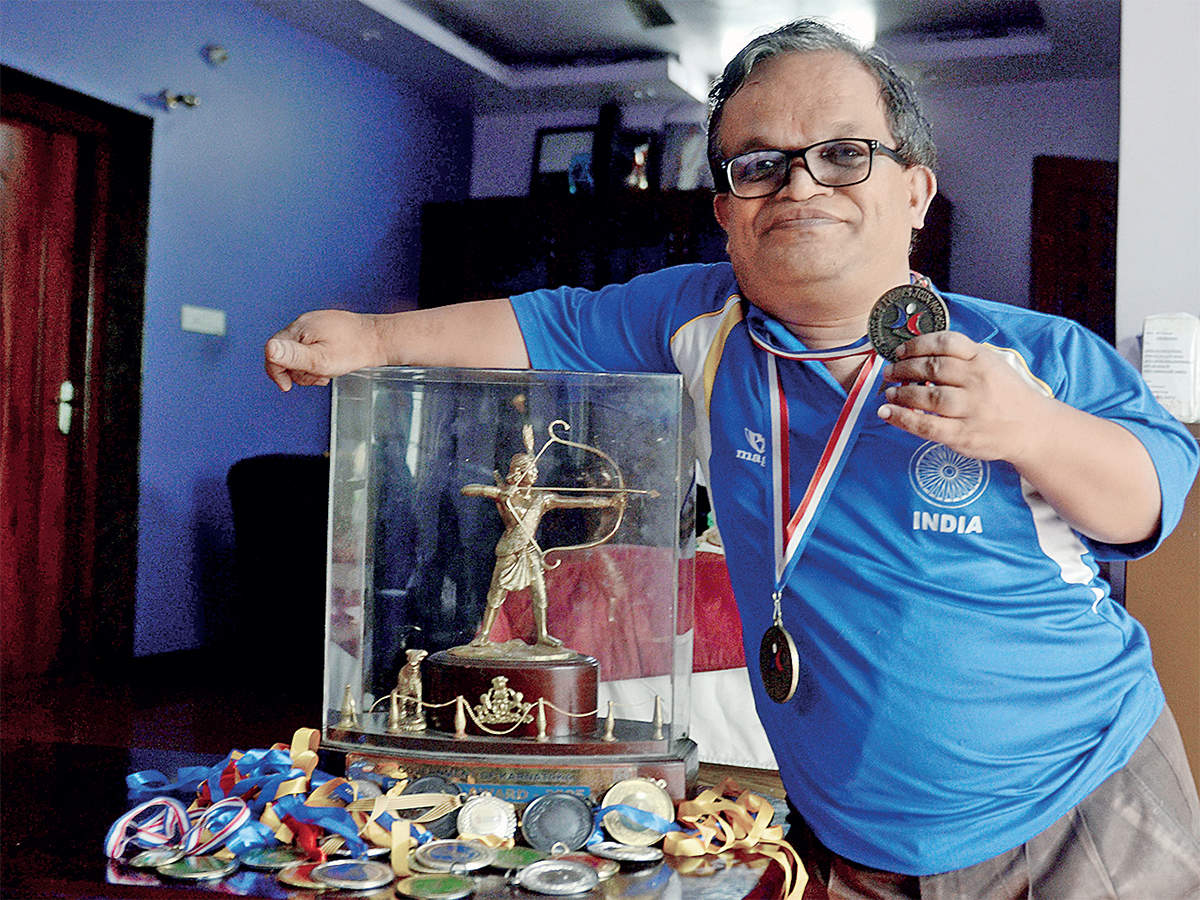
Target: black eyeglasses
{"points": [[837, 163]]}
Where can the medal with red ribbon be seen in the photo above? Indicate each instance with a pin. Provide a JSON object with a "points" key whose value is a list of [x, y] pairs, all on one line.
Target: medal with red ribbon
{"points": [[778, 660]]}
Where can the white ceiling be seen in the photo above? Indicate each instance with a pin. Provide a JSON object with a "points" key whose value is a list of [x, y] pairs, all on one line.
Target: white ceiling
{"points": [[512, 55]]}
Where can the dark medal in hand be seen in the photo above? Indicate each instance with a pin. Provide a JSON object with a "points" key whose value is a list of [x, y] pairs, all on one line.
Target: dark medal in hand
{"points": [[902, 314]]}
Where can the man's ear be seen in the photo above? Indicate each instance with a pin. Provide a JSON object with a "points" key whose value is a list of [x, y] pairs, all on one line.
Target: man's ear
{"points": [[721, 209], [922, 186]]}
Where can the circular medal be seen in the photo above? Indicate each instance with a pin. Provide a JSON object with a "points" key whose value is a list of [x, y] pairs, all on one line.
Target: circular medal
{"points": [[515, 857], [353, 874], [639, 793], [443, 826], [198, 868], [623, 853], [557, 818], [155, 857], [447, 856], [485, 815], [300, 875], [605, 868], [435, 887], [415, 865], [272, 859], [557, 876], [779, 663], [902, 314]]}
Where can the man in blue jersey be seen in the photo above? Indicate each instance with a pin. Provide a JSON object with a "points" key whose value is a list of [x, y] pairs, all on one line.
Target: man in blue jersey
{"points": [[972, 715]]}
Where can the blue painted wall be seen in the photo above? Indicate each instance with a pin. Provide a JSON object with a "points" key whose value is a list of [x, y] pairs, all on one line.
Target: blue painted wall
{"points": [[290, 187]]}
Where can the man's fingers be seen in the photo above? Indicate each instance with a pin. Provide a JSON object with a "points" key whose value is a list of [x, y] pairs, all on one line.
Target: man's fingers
{"points": [[939, 369], [934, 398], [920, 424], [307, 380], [276, 372], [290, 354], [938, 343], [290, 362], [280, 377]]}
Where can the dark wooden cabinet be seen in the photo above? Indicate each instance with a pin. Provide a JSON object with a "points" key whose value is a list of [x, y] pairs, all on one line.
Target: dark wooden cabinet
{"points": [[498, 246], [1073, 241]]}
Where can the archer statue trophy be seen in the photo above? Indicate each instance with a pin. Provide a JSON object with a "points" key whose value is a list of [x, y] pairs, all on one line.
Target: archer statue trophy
{"points": [[520, 561]]}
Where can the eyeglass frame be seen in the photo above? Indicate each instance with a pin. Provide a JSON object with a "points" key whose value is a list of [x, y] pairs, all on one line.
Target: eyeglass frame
{"points": [[873, 145]]}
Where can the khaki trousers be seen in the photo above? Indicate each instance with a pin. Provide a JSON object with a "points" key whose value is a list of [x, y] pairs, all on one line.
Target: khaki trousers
{"points": [[1136, 837]]}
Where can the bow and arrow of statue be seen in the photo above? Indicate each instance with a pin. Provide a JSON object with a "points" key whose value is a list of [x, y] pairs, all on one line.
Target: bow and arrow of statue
{"points": [[618, 477]]}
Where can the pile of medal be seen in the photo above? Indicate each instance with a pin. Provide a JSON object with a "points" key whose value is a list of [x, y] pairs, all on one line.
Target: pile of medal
{"points": [[563, 851], [274, 811]]}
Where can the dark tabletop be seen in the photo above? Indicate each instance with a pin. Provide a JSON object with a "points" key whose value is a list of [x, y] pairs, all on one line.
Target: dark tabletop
{"points": [[58, 800]]}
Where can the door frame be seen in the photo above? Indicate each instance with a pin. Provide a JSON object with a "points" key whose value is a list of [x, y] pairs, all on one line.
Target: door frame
{"points": [[105, 360]]}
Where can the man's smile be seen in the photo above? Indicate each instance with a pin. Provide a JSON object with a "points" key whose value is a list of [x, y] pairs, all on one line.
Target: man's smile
{"points": [[802, 218]]}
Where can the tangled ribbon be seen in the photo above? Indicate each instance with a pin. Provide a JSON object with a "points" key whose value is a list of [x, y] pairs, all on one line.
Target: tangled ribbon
{"points": [[719, 824], [159, 822], [255, 799]]}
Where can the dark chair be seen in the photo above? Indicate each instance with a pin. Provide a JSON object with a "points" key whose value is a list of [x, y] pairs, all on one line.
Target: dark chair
{"points": [[280, 512]]}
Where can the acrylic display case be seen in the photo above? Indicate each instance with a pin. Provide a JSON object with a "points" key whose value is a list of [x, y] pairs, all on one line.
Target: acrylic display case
{"points": [[550, 507]]}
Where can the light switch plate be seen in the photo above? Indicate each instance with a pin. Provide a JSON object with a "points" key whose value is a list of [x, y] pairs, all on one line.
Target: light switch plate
{"points": [[202, 320]]}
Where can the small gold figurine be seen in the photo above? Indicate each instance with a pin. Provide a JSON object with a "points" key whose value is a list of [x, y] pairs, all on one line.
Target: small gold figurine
{"points": [[520, 561], [349, 717], [407, 713]]}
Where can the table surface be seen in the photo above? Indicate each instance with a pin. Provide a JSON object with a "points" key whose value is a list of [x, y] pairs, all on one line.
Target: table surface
{"points": [[68, 741], [59, 799]]}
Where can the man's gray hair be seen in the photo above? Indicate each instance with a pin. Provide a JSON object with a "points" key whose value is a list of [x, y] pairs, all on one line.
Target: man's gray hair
{"points": [[909, 127]]}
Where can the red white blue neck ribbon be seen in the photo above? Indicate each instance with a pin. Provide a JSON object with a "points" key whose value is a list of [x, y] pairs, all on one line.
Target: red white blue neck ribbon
{"points": [[792, 533], [161, 822]]}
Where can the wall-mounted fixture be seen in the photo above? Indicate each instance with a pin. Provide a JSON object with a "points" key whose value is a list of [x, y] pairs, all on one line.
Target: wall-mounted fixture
{"points": [[173, 100], [216, 55]]}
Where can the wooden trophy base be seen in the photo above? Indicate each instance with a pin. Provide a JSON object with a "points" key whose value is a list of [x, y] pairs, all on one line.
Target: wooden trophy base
{"points": [[566, 747], [501, 695]]}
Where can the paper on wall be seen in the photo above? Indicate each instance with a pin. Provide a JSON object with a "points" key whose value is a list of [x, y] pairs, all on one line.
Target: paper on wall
{"points": [[1171, 363]]}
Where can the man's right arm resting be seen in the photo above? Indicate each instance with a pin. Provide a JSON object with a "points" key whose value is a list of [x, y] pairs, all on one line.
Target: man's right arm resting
{"points": [[329, 342]]}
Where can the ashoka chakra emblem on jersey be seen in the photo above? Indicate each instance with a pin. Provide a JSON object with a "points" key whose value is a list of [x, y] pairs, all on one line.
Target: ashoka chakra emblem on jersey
{"points": [[946, 478]]}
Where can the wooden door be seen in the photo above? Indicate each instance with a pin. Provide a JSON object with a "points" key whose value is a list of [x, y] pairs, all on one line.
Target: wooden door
{"points": [[1073, 269], [74, 188], [38, 209]]}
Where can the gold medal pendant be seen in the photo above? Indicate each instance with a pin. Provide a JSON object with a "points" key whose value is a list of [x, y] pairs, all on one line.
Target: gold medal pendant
{"points": [[778, 660]]}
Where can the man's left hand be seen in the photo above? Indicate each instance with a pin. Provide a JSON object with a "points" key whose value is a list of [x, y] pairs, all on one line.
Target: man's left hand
{"points": [[968, 396]]}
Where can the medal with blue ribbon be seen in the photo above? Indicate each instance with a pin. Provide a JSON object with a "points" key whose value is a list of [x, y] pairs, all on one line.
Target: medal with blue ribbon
{"points": [[246, 803]]}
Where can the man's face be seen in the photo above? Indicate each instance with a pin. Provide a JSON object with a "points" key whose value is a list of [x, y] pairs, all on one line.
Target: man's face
{"points": [[851, 239]]}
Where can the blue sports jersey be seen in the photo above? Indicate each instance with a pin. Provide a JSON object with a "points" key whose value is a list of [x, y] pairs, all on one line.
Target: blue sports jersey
{"points": [[965, 677]]}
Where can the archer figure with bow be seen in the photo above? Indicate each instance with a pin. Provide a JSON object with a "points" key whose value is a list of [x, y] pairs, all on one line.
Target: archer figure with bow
{"points": [[520, 561]]}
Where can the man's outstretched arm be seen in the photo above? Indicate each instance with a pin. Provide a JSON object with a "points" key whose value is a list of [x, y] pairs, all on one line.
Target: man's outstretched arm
{"points": [[319, 345]]}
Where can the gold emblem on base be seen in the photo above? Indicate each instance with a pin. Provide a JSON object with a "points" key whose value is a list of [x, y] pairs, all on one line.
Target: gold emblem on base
{"points": [[501, 705]]}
